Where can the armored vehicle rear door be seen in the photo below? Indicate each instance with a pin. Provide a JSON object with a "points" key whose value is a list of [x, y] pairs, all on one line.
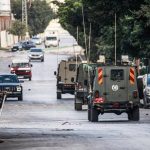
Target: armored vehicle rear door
{"points": [[116, 84], [70, 72]]}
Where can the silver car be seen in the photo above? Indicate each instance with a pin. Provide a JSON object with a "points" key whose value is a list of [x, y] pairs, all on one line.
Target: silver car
{"points": [[36, 54]]}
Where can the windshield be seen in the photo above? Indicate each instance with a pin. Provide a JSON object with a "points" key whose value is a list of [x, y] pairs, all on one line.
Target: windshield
{"points": [[8, 79], [51, 38], [20, 65], [35, 50], [35, 38]]}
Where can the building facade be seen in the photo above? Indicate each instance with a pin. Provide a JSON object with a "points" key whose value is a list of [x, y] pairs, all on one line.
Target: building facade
{"points": [[5, 23]]}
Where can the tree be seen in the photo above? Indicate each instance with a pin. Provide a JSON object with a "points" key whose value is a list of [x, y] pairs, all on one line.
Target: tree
{"points": [[39, 14], [18, 28], [101, 15]]}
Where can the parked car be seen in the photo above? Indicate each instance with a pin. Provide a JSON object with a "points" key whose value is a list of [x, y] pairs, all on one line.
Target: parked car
{"points": [[146, 90], [36, 40], [26, 45], [36, 54], [9, 83], [17, 47], [22, 68]]}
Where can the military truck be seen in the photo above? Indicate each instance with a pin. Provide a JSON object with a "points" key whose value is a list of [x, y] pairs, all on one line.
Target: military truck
{"points": [[66, 75], [83, 84], [114, 91]]}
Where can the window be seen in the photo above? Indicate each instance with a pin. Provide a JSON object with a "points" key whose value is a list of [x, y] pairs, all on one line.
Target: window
{"points": [[36, 50], [148, 80], [8, 79], [117, 74], [51, 38], [20, 65], [72, 67]]}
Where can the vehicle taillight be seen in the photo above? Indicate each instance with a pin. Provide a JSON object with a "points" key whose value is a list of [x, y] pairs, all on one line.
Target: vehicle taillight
{"points": [[98, 100], [135, 94]]}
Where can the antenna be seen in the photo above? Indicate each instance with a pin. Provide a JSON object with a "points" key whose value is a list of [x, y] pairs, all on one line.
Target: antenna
{"points": [[77, 34], [115, 38], [89, 52], [84, 30]]}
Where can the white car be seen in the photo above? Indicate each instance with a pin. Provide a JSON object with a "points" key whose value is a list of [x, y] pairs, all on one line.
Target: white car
{"points": [[36, 54], [51, 40], [36, 40], [146, 91]]}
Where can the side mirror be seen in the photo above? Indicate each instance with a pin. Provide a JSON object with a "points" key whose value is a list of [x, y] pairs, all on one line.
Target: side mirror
{"points": [[9, 66], [85, 82], [55, 73], [72, 79]]}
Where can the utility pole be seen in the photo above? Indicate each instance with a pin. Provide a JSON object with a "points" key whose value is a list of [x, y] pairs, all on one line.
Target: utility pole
{"points": [[25, 15]]}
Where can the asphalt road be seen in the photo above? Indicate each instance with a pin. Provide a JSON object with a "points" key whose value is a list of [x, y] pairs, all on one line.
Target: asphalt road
{"points": [[41, 122]]}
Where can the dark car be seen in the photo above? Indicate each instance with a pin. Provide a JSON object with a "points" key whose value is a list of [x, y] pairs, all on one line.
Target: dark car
{"points": [[17, 47], [26, 45], [10, 83]]}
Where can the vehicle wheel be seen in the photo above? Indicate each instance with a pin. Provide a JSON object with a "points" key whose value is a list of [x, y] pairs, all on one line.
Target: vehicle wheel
{"points": [[42, 60], [94, 115], [89, 114], [130, 116], [136, 114], [29, 78], [58, 95], [78, 106], [145, 102], [20, 98]]}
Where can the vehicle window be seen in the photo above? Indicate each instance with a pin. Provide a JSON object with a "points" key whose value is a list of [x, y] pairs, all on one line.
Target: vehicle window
{"points": [[72, 67], [35, 38], [35, 50], [51, 38], [8, 79], [117, 74], [148, 81], [20, 65]]}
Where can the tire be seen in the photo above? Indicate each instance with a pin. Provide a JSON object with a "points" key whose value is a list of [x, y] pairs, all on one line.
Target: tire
{"points": [[89, 114], [78, 106], [136, 114], [20, 98], [29, 78], [94, 115], [58, 95], [145, 102], [130, 117]]}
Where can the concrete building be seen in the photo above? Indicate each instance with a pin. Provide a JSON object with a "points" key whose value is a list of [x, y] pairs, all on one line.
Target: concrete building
{"points": [[5, 22]]}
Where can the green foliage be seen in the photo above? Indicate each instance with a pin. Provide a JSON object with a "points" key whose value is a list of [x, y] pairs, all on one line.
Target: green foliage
{"points": [[39, 14], [133, 25], [18, 28]]}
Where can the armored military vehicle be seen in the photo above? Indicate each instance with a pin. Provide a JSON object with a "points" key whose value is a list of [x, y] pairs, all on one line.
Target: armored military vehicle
{"points": [[84, 81], [66, 75], [114, 91]]}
